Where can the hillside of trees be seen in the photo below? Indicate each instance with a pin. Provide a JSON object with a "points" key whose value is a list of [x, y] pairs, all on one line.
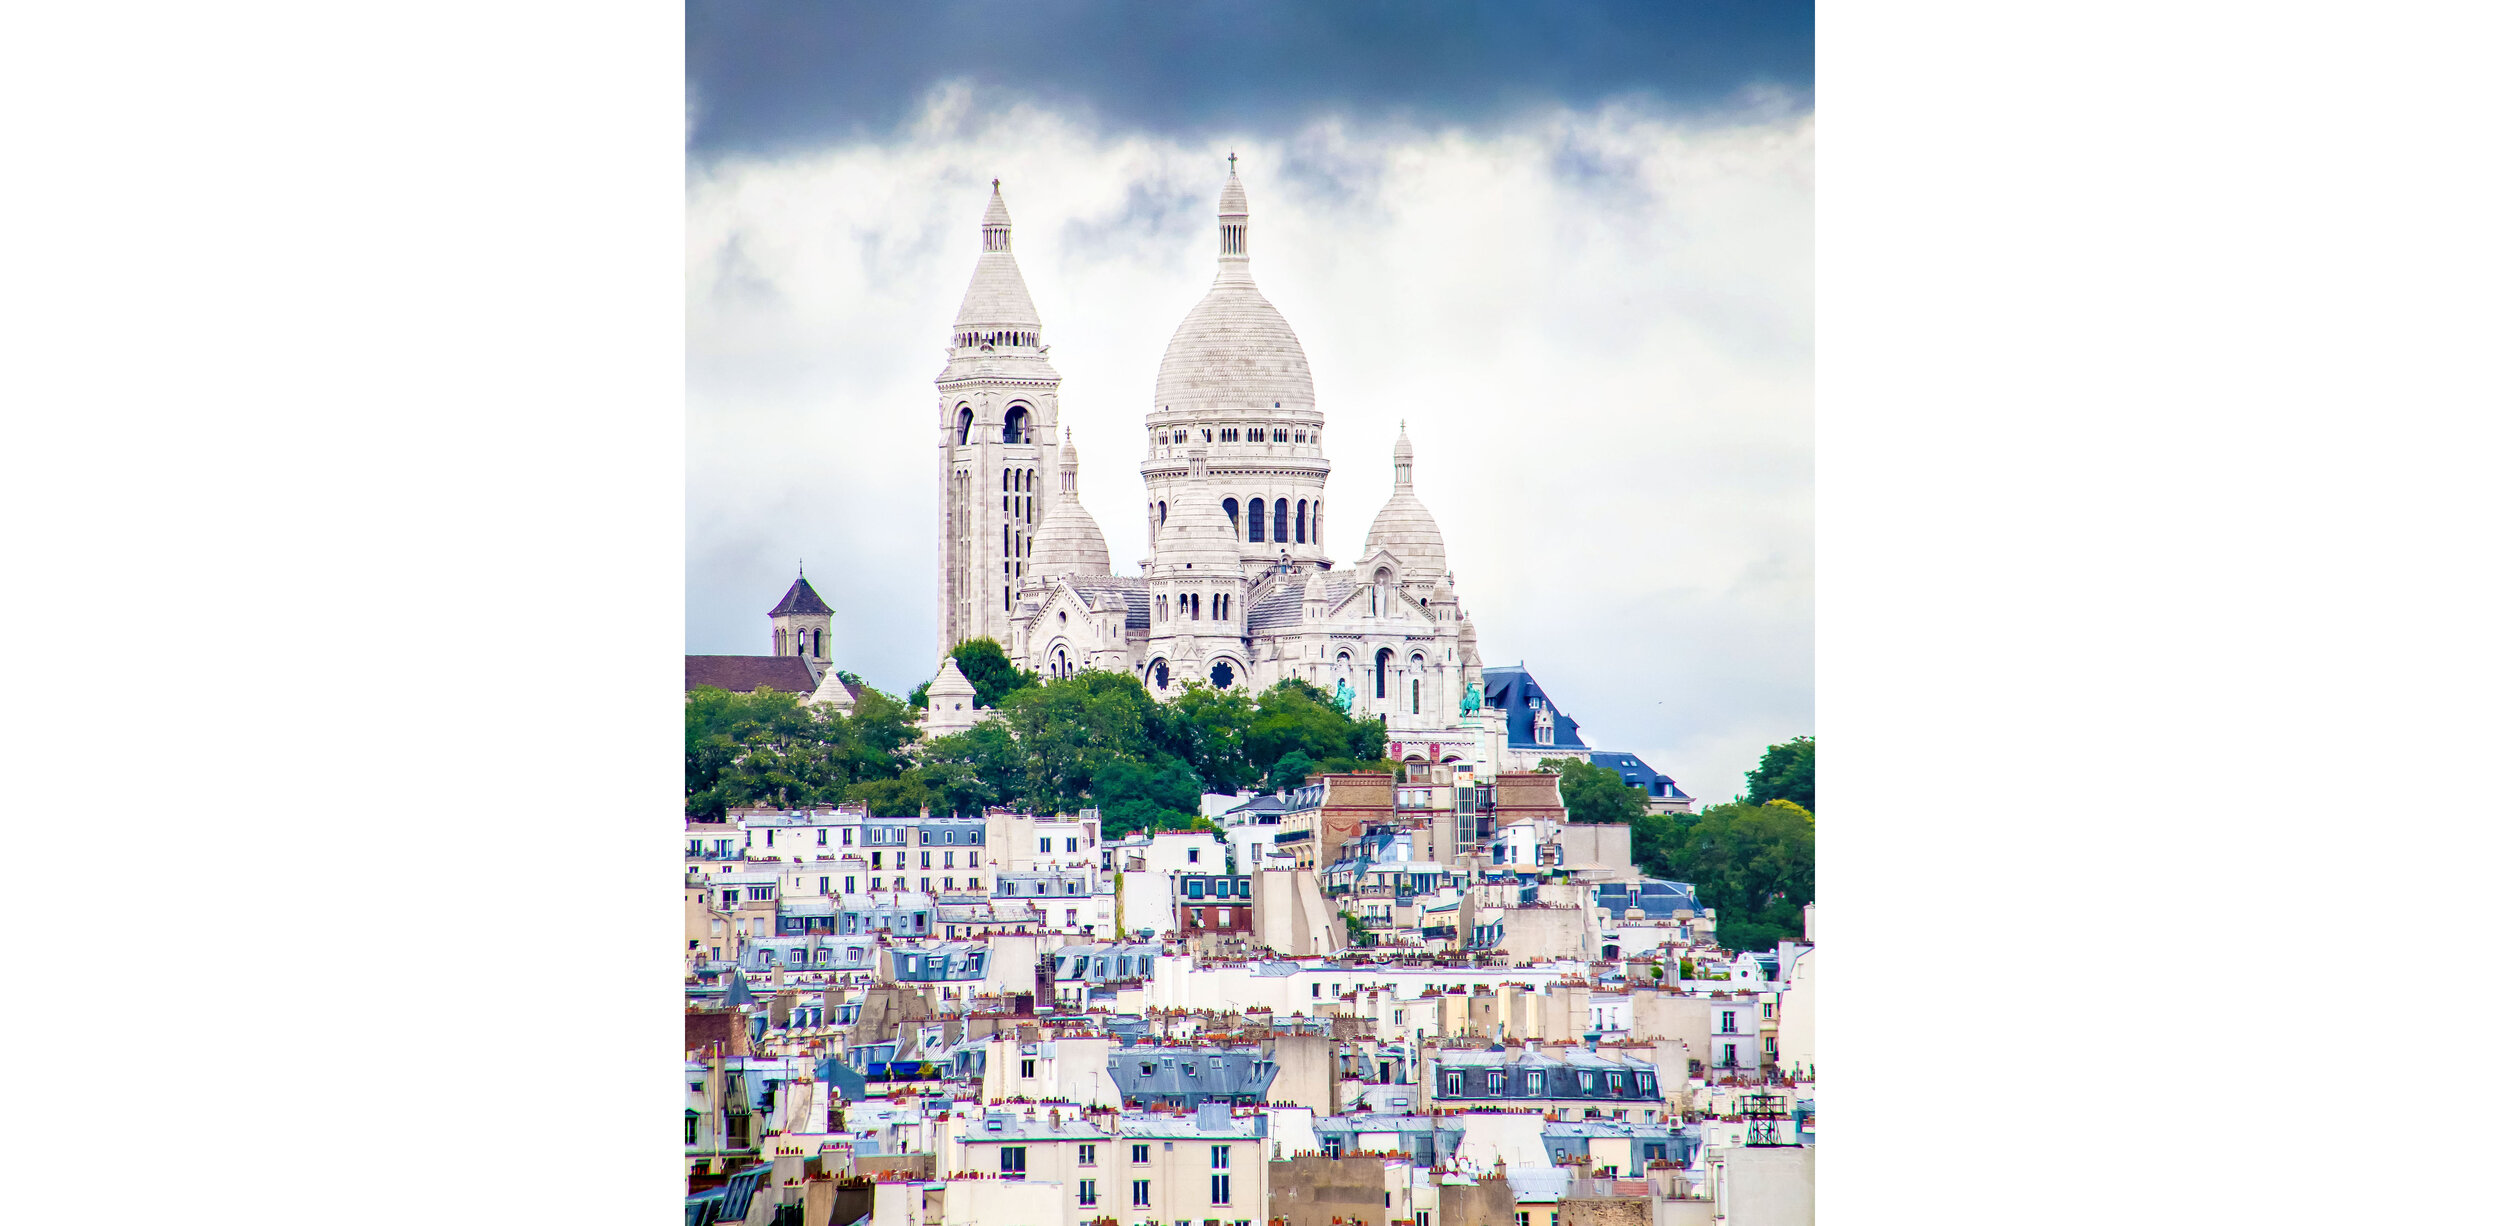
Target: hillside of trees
{"points": [[1096, 739]]}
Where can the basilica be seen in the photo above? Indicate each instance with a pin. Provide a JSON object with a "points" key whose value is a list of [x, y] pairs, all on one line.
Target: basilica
{"points": [[1238, 588]]}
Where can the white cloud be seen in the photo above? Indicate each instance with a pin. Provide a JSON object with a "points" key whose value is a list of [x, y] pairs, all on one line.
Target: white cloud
{"points": [[1597, 324]]}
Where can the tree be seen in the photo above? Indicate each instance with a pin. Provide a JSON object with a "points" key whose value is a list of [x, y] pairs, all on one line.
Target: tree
{"points": [[1209, 729], [1157, 795], [1291, 771], [768, 747], [903, 797], [973, 769], [993, 677], [1786, 772], [1753, 864], [1594, 794]]}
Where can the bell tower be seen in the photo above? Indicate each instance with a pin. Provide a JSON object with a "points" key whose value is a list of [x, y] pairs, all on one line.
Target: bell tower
{"points": [[998, 442]]}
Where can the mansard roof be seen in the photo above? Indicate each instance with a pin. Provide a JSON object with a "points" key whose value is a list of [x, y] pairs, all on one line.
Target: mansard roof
{"points": [[1509, 689]]}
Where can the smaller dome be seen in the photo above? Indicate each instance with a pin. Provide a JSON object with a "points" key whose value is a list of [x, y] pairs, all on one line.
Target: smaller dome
{"points": [[1197, 536], [1404, 527], [1069, 542]]}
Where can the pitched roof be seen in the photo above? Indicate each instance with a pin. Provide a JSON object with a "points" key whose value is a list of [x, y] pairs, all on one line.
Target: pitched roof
{"points": [[801, 598], [746, 674]]}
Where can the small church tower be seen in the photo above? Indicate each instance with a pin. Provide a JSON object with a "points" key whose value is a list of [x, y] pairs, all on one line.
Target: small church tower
{"points": [[801, 622]]}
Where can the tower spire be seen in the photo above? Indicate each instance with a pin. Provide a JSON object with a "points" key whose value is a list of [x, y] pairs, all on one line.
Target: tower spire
{"points": [[1232, 224]]}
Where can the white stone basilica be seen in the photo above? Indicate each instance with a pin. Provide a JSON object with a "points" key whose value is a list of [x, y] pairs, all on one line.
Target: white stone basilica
{"points": [[1239, 588]]}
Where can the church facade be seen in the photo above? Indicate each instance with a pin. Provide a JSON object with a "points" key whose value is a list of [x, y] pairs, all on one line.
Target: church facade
{"points": [[1238, 588]]}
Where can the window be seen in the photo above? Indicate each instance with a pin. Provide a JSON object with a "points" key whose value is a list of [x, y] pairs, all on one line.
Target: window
{"points": [[876, 883], [1193, 855], [823, 837], [1220, 1157], [1219, 1189], [1453, 1084], [924, 860], [1137, 1153], [1084, 1154], [1028, 1066], [1727, 1022], [846, 836], [1223, 917], [850, 885], [972, 859], [1138, 1191], [1045, 845], [1085, 1189], [1010, 1159], [1493, 1083], [693, 1121], [1588, 1083]]}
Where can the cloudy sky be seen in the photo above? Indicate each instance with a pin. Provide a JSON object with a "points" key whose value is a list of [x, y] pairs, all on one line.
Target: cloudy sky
{"points": [[1572, 248]]}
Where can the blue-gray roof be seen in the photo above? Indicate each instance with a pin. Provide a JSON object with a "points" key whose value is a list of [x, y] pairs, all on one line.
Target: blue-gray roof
{"points": [[1511, 690], [1656, 899], [1637, 773], [1189, 1072]]}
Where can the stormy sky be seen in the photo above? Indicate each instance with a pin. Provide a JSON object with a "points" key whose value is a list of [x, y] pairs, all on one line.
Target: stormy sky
{"points": [[1571, 246]]}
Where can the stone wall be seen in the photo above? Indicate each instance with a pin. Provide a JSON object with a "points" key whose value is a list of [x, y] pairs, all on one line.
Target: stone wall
{"points": [[1315, 1191]]}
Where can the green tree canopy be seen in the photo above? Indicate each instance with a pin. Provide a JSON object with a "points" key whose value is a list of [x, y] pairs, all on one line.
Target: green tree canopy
{"points": [[768, 747], [1754, 864], [1594, 794], [1786, 772]]}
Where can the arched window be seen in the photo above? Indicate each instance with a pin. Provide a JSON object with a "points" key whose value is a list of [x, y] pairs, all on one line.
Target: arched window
{"points": [[963, 424], [1301, 519], [1163, 676], [1416, 705], [1232, 511], [1014, 431], [1222, 675], [1163, 511], [1280, 521], [1258, 519], [1380, 674]]}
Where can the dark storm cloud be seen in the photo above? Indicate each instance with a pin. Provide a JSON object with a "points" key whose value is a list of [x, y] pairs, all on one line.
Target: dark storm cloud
{"points": [[765, 77]]}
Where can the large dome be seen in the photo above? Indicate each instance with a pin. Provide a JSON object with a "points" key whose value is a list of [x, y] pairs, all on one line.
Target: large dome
{"points": [[1404, 527], [1233, 350]]}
